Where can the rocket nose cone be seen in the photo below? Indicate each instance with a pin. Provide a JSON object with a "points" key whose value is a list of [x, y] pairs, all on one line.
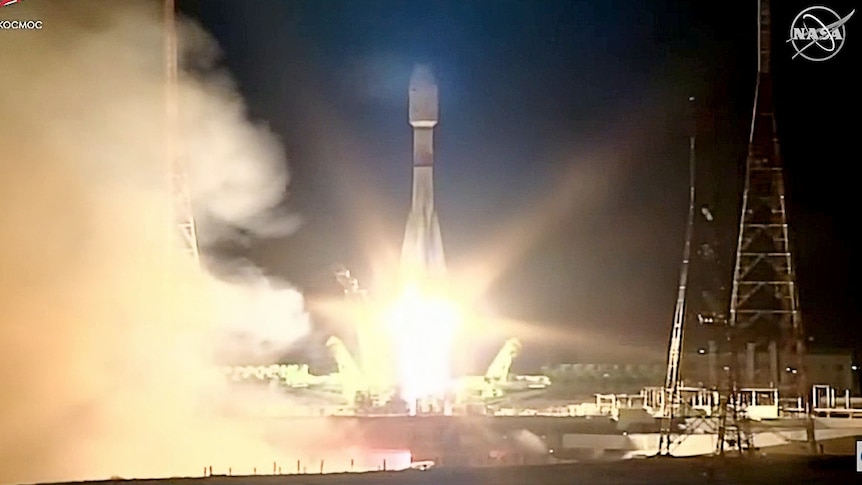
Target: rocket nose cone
{"points": [[421, 77]]}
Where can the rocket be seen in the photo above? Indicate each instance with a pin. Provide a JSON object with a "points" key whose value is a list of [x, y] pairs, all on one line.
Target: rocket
{"points": [[422, 250]]}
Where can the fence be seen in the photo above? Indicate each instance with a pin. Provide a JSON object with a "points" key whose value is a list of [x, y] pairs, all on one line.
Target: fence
{"points": [[393, 461]]}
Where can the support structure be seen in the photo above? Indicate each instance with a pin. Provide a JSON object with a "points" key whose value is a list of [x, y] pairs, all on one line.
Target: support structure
{"points": [[374, 357], [671, 383], [707, 299], [733, 434], [764, 305], [182, 207], [348, 283]]}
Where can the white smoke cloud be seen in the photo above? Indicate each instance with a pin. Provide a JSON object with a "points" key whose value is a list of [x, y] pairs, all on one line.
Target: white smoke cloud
{"points": [[239, 176], [259, 316], [106, 338]]}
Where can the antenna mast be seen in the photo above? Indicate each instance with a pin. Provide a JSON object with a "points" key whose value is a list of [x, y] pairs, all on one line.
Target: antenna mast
{"points": [[671, 383]]}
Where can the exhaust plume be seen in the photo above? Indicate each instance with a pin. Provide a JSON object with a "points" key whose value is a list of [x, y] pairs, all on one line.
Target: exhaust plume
{"points": [[107, 339]]}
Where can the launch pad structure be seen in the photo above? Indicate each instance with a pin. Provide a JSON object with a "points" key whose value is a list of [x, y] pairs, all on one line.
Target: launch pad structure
{"points": [[764, 304], [370, 384]]}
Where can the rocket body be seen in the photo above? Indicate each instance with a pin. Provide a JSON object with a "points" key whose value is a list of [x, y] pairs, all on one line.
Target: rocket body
{"points": [[422, 251]]}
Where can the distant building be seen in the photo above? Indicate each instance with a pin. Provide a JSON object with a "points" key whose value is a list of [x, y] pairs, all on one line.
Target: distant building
{"points": [[700, 368], [834, 368]]}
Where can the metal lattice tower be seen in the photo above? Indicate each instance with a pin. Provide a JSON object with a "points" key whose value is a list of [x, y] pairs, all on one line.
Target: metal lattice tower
{"points": [[764, 301], [764, 304], [671, 383], [182, 208]]}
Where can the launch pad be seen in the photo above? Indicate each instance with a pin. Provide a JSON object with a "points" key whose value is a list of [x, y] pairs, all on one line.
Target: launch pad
{"points": [[347, 393], [405, 346]]}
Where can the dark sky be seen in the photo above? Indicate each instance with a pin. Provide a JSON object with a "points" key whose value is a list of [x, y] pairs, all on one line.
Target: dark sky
{"points": [[577, 105]]}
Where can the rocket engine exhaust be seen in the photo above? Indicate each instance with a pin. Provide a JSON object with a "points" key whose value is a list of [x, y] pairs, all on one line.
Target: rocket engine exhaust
{"points": [[422, 320]]}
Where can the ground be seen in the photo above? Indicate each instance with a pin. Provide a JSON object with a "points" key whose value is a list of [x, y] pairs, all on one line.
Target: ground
{"points": [[683, 471]]}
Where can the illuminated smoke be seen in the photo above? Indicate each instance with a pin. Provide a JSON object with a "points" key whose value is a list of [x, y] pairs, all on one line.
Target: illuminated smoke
{"points": [[239, 175], [529, 442], [104, 368], [261, 318]]}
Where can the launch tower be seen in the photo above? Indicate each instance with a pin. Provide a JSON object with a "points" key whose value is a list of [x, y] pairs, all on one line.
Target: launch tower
{"points": [[764, 308], [182, 208]]}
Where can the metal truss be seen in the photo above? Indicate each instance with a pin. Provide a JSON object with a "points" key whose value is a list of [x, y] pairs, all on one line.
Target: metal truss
{"points": [[764, 303], [182, 205]]}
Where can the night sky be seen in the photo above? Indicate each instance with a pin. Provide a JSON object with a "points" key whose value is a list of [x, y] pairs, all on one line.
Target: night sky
{"points": [[574, 106]]}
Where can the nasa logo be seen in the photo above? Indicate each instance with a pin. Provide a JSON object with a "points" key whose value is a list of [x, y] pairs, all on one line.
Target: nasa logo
{"points": [[818, 33], [859, 455], [4, 3]]}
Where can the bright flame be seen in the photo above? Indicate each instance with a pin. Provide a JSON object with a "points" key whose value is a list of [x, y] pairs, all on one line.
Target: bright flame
{"points": [[422, 325]]}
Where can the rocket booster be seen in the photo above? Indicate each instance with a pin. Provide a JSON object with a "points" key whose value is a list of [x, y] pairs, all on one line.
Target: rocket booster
{"points": [[422, 251]]}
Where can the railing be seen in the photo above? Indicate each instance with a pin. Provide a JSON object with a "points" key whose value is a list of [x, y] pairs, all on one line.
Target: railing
{"points": [[845, 413], [826, 404], [398, 461]]}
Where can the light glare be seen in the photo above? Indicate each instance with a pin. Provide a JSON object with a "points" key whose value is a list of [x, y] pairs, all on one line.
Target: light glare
{"points": [[423, 327]]}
